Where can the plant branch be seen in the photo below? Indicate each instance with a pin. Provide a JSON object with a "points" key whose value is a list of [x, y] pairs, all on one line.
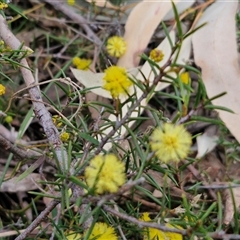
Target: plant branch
{"points": [[133, 108], [44, 117], [22, 154], [38, 220], [39, 108], [142, 224]]}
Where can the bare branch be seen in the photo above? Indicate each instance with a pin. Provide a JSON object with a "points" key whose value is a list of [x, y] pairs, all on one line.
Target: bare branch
{"points": [[39, 108], [142, 223], [44, 117], [38, 220]]}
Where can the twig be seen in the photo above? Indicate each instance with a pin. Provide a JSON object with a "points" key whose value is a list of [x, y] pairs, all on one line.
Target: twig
{"points": [[219, 185], [38, 220], [76, 17], [190, 114], [198, 176], [8, 146], [146, 203], [121, 191], [223, 235], [22, 154], [121, 232], [142, 224]]}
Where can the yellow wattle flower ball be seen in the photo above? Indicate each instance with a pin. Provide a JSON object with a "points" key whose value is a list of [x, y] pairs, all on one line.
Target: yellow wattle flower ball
{"points": [[57, 120], [81, 63], [3, 5], [2, 89], [64, 136], [8, 119], [71, 235], [170, 142], [116, 46], [105, 174], [156, 55], [116, 81], [71, 2], [101, 231], [153, 233], [185, 77]]}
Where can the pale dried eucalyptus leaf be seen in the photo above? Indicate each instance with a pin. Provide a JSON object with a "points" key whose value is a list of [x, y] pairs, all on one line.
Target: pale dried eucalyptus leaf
{"points": [[215, 51], [28, 183]]}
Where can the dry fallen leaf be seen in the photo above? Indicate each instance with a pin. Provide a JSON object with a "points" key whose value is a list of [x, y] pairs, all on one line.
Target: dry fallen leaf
{"points": [[232, 174], [94, 81], [22, 196], [207, 141], [211, 167], [205, 144], [104, 4], [26, 184], [215, 51], [139, 29], [91, 80], [124, 8], [181, 7], [95, 111], [229, 203]]}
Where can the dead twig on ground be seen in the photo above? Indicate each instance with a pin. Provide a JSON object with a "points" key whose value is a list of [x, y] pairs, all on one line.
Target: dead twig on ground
{"points": [[68, 11]]}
